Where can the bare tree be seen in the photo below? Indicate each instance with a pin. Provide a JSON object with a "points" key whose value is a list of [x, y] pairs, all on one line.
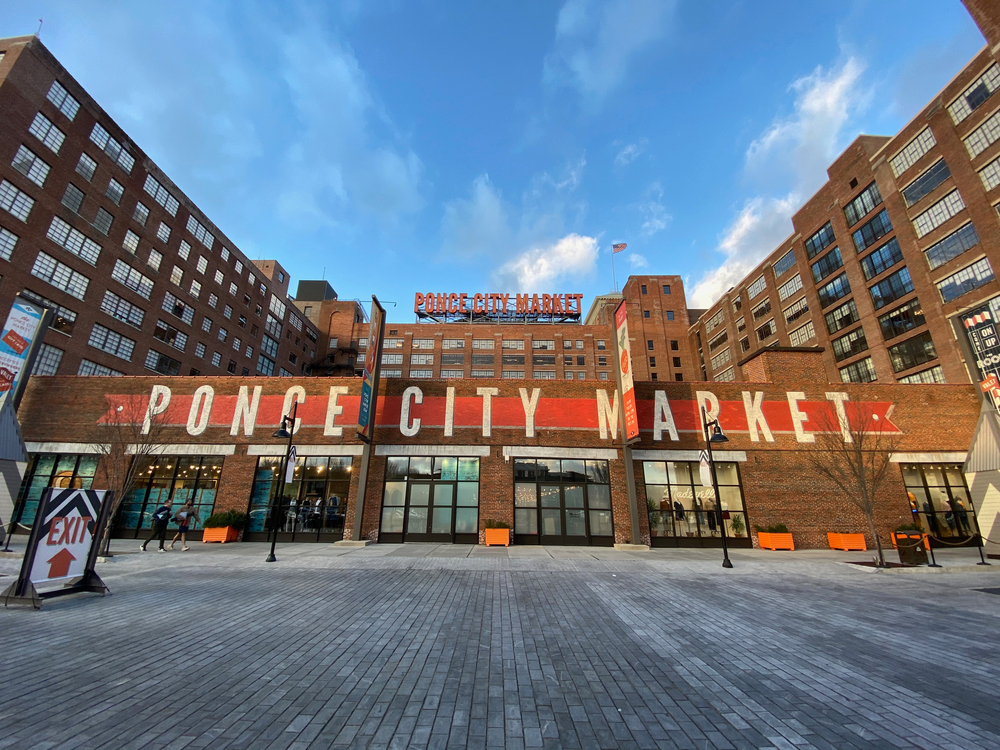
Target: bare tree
{"points": [[853, 452], [127, 440]]}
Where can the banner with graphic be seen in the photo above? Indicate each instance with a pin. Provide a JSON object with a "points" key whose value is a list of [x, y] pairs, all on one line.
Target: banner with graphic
{"points": [[19, 341], [626, 385], [373, 365], [981, 330]]}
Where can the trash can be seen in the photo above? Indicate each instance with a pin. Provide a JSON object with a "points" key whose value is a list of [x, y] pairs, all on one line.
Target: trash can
{"points": [[910, 545]]}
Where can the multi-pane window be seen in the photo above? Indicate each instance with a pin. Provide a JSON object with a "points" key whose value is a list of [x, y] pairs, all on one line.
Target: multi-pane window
{"points": [[184, 250], [217, 361], [544, 344], [718, 360], [850, 344], [933, 375], [421, 359], [238, 343], [160, 195], [483, 343], [48, 361], [92, 368], [796, 310], [964, 281], [820, 241], [295, 322], [111, 342], [939, 213], [14, 201], [881, 259], [277, 307], [265, 365], [962, 239], [389, 343], [984, 136], [827, 265], [762, 309], [170, 335], [73, 198], [758, 286], [199, 350], [912, 151], [115, 150], [222, 334], [50, 136], [233, 289], [30, 165], [974, 96], [843, 316], [479, 373], [63, 319], [863, 204], [86, 167], [679, 505], [154, 259], [239, 267], [862, 371], [273, 327], [219, 278], [115, 191], [912, 352], [60, 275], [422, 344], [990, 174], [195, 288], [63, 100], [103, 220], [892, 288], [902, 319], [718, 341], [834, 290], [131, 241], [712, 322], [452, 359], [745, 344], [132, 279], [269, 346], [487, 359], [161, 363], [872, 231], [177, 275], [783, 264], [177, 308], [7, 241], [202, 264], [122, 309], [737, 303], [73, 241], [449, 374], [801, 335], [163, 233], [767, 330], [926, 182], [199, 232], [224, 252], [741, 326], [544, 375], [726, 376], [512, 375]]}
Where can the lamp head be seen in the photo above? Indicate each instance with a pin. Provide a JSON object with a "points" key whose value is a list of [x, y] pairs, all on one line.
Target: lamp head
{"points": [[281, 432], [718, 436]]}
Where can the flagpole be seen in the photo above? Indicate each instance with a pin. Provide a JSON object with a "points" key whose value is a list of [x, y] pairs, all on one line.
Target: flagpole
{"points": [[614, 279]]}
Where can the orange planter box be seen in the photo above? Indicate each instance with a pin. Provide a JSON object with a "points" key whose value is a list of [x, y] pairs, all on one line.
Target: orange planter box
{"points": [[768, 540], [847, 542], [220, 534], [498, 536]]}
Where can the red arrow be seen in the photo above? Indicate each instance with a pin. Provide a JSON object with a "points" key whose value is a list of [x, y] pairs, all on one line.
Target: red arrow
{"points": [[59, 563]]}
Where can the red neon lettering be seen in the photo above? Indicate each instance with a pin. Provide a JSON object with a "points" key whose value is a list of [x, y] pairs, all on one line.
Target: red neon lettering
{"points": [[546, 303], [522, 303], [452, 303], [557, 303], [418, 300], [535, 310], [461, 303], [503, 298], [442, 303], [477, 303]]}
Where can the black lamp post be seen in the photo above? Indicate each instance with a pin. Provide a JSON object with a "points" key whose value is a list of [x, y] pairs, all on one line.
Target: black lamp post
{"points": [[717, 436], [285, 430]]}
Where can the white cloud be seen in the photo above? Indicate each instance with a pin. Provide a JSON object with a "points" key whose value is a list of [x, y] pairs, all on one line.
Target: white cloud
{"points": [[637, 261], [478, 224], [596, 40], [540, 267], [630, 153], [655, 213], [789, 158]]}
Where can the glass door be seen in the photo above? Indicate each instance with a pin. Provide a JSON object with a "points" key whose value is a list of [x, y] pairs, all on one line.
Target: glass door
{"points": [[568, 503]]}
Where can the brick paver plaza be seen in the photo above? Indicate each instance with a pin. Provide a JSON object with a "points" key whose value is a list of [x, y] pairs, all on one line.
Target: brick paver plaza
{"points": [[439, 647]]}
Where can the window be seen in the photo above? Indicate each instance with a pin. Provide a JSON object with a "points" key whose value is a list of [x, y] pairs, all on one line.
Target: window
{"points": [[720, 359], [50, 136], [114, 192], [912, 352], [544, 374], [666, 288], [163, 233], [15, 202], [872, 231], [63, 100], [295, 321], [984, 136], [579, 344], [222, 334], [796, 310], [964, 281], [862, 205], [238, 344], [800, 336], [677, 361], [544, 345], [643, 288], [600, 345], [132, 279], [233, 289], [542, 359], [160, 195], [745, 344], [673, 489], [480, 373], [176, 275], [63, 319], [974, 96], [392, 359], [219, 278], [926, 182], [933, 375], [161, 363], [170, 335], [850, 344], [902, 319], [423, 344], [450, 374], [713, 322], [674, 346], [48, 361], [32, 167], [213, 300], [86, 167], [231, 367], [7, 242], [421, 359], [111, 342], [140, 214], [273, 327], [670, 314], [277, 307], [224, 252], [756, 287], [842, 317], [783, 264], [956, 243], [602, 375], [121, 309], [767, 330], [202, 264], [239, 267], [115, 150], [265, 366], [195, 289], [216, 359], [398, 344], [199, 232], [73, 241], [479, 359], [762, 309], [726, 376], [912, 151], [652, 361], [269, 346], [512, 359], [939, 213], [737, 304], [861, 371], [242, 322], [92, 368], [199, 350], [177, 308], [892, 288], [836, 289], [512, 374], [820, 241], [649, 344], [882, 259], [718, 341], [102, 222], [131, 241], [60, 275], [645, 314]]}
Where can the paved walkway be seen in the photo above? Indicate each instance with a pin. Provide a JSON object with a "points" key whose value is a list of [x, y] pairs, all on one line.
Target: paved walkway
{"points": [[431, 646]]}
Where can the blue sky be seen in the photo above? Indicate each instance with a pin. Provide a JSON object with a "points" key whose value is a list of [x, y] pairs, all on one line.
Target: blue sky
{"points": [[452, 146]]}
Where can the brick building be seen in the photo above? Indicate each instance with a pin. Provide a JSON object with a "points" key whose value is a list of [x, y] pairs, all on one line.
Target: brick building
{"points": [[139, 278], [903, 238]]}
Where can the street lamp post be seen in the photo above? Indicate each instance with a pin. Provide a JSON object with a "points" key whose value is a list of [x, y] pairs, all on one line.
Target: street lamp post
{"points": [[717, 436], [285, 430]]}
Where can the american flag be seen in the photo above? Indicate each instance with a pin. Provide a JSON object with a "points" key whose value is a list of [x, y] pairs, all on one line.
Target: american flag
{"points": [[618, 248]]}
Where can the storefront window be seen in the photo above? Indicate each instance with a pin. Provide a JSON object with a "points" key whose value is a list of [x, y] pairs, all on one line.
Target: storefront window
{"points": [[63, 470], [177, 478], [682, 510], [312, 504], [431, 499], [562, 501], [939, 501]]}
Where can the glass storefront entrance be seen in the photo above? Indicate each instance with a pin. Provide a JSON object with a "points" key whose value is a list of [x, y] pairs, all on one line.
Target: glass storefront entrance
{"points": [[562, 501], [430, 499], [177, 478], [63, 470], [940, 504]]}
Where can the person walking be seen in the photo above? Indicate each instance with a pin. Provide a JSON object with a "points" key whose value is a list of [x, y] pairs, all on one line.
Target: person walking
{"points": [[158, 529], [183, 519]]}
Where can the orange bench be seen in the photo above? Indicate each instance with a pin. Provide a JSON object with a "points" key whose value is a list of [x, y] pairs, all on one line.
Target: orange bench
{"points": [[220, 534], [847, 542], [498, 536], [773, 541]]}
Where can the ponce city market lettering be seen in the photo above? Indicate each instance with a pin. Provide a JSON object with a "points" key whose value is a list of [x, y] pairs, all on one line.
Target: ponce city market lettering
{"points": [[529, 410], [498, 304]]}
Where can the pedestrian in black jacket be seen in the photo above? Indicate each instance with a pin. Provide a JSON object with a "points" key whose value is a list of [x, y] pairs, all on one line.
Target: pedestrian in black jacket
{"points": [[159, 528]]}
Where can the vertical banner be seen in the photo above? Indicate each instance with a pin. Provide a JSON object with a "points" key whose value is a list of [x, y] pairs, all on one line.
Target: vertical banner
{"points": [[981, 330], [626, 387], [373, 364], [20, 339]]}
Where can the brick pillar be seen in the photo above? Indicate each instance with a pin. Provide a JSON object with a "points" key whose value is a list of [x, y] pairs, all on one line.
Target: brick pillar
{"points": [[496, 491], [236, 481]]}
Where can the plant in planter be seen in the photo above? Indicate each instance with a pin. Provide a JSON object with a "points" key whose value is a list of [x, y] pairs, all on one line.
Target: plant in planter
{"points": [[737, 524], [774, 537], [497, 532], [224, 526]]}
